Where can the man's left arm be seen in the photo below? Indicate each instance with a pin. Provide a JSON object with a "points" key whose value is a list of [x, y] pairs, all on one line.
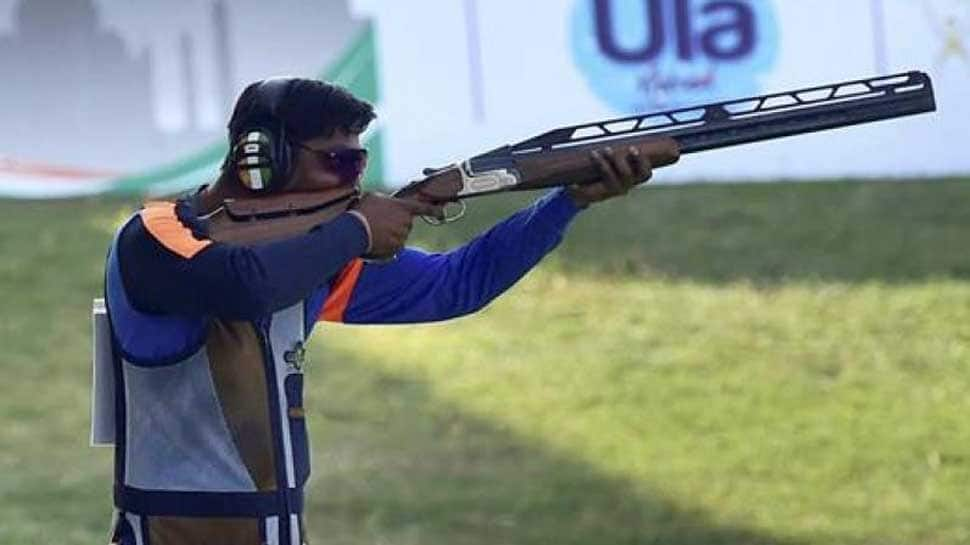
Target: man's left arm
{"points": [[426, 287], [422, 287]]}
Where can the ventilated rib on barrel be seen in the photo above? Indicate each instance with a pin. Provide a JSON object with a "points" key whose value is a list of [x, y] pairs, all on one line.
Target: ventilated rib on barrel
{"points": [[741, 121]]}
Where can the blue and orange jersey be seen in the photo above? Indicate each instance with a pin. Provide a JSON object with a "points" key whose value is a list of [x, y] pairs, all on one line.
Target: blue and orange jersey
{"points": [[209, 342], [424, 287], [168, 266]]}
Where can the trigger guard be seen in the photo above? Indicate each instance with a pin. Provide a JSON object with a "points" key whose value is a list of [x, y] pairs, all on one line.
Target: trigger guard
{"points": [[431, 220]]}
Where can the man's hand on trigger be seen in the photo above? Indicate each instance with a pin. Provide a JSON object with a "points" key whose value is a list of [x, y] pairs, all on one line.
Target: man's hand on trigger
{"points": [[390, 220], [620, 170]]}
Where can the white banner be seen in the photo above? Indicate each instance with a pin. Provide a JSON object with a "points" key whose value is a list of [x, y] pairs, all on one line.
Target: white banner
{"points": [[460, 77], [134, 96], [122, 96]]}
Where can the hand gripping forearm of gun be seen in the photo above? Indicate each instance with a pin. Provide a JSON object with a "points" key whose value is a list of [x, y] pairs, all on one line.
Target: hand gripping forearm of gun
{"points": [[566, 156], [503, 170]]}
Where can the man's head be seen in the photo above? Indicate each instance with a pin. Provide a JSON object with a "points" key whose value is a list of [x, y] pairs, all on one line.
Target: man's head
{"points": [[292, 134]]}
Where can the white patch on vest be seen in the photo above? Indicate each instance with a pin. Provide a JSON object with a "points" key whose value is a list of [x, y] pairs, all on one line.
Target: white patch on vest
{"points": [[272, 531], [102, 380], [295, 530], [177, 435], [285, 331]]}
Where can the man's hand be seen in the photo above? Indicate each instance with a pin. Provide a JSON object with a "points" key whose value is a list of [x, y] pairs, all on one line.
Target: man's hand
{"points": [[620, 170], [389, 221]]}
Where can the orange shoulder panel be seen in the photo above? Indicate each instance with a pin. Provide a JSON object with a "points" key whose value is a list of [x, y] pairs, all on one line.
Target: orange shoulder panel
{"points": [[336, 304], [163, 224]]}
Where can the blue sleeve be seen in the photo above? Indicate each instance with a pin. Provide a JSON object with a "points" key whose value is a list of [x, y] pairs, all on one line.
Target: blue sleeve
{"points": [[423, 287], [231, 281]]}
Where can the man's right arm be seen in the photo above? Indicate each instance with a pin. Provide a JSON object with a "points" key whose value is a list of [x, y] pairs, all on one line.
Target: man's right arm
{"points": [[166, 269]]}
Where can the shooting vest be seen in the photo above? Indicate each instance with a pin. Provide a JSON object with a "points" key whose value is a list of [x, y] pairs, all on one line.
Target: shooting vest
{"points": [[208, 425]]}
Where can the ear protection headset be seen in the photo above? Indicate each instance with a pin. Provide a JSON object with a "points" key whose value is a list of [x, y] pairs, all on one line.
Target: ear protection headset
{"points": [[261, 158]]}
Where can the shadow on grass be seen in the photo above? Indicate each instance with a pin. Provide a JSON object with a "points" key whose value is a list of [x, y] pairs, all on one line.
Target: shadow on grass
{"points": [[761, 233], [394, 464]]}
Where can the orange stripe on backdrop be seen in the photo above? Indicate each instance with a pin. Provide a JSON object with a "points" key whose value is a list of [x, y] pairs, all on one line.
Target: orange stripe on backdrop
{"points": [[336, 304], [46, 170], [162, 222]]}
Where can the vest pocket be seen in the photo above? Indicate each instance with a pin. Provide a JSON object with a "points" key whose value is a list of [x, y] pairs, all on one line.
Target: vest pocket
{"points": [[297, 422]]}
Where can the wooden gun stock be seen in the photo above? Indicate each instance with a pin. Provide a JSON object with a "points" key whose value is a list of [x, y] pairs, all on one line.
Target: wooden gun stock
{"points": [[576, 167], [249, 221]]}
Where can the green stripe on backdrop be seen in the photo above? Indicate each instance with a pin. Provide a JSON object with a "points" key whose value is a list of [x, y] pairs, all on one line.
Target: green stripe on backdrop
{"points": [[355, 69], [374, 176]]}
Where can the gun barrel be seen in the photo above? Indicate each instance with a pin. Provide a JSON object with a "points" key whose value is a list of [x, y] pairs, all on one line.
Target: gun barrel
{"points": [[911, 97], [752, 119]]}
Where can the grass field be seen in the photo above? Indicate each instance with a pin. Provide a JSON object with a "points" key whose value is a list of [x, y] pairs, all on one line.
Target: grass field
{"points": [[696, 365]]}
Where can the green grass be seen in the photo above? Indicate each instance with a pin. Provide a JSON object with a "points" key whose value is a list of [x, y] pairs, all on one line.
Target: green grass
{"points": [[701, 365]]}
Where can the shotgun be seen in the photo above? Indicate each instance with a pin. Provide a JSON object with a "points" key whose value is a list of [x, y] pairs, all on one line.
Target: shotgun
{"points": [[561, 157]]}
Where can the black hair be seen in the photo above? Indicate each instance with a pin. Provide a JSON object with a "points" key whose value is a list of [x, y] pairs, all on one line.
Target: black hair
{"points": [[308, 109]]}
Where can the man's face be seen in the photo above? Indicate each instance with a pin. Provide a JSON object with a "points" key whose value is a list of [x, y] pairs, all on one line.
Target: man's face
{"points": [[328, 162]]}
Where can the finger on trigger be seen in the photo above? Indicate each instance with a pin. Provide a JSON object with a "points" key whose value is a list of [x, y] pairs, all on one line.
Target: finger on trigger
{"points": [[419, 208]]}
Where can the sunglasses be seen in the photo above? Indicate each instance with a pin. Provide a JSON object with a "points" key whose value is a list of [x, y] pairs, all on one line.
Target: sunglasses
{"points": [[348, 164]]}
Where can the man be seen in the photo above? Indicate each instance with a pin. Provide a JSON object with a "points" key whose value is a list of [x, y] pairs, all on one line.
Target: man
{"points": [[211, 443]]}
